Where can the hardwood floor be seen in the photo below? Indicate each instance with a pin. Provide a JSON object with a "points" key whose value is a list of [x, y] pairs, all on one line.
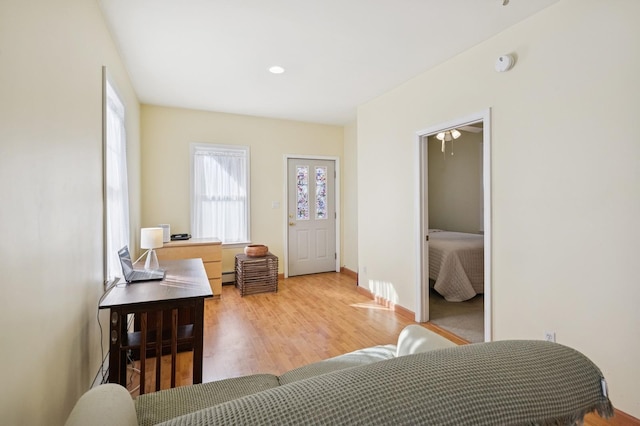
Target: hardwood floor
{"points": [[309, 319]]}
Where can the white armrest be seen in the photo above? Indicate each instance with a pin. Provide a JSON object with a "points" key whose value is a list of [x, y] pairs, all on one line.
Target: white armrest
{"points": [[415, 339], [104, 405]]}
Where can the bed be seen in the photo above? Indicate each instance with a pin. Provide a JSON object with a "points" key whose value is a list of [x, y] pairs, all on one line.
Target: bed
{"points": [[456, 264]]}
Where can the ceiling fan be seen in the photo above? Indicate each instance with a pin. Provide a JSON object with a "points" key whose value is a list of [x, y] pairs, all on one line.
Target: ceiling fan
{"points": [[472, 128], [452, 134]]}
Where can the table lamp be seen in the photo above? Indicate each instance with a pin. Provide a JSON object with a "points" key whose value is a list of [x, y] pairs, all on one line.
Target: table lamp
{"points": [[151, 238]]}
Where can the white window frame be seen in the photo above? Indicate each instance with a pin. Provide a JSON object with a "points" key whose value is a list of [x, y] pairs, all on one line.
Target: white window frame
{"points": [[212, 149], [116, 228]]}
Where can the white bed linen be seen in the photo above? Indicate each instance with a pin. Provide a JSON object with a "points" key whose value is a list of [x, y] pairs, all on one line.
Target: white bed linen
{"points": [[456, 264]]}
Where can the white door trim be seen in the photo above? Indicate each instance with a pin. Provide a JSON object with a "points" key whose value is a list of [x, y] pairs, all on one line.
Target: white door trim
{"points": [[285, 223], [422, 282]]}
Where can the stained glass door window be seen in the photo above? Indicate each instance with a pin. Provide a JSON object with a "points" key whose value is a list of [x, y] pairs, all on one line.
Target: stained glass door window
{"points": [[302, 197], [321, 192]]}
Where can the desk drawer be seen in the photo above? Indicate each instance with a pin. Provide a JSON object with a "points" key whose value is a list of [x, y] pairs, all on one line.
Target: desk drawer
{"points": [[216, 286], [214, 269]]}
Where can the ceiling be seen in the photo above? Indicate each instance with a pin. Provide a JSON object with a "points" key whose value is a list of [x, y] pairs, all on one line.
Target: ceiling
{"points": [[214, 54]]}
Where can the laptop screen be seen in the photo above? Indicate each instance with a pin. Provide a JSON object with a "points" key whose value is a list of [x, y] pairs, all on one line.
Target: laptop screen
{"points": [[131, 275], [125, 261]]}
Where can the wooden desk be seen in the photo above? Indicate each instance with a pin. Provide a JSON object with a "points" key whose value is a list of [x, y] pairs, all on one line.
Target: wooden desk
{"points": [[207, 249], [185, 287]]}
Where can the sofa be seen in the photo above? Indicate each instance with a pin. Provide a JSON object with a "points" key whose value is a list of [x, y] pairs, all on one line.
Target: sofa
{"points": [[423, 379]]}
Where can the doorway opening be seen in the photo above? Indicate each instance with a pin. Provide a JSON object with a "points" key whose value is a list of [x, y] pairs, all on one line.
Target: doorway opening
{"points": [[454, 289]]}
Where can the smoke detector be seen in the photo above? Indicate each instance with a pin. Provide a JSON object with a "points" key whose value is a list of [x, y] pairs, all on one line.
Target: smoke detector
{"points": [[504, 63]]}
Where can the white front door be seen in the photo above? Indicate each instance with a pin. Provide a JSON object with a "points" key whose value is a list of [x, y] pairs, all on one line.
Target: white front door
{"points": [[311, 209]]}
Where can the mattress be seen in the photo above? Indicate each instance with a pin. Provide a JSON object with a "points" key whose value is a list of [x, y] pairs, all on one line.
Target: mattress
{"points": [[456, 264]]}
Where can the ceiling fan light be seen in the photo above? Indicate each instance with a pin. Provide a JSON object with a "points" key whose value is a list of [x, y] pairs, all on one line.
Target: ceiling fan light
{"points": [[455, 133], [440, 136]]}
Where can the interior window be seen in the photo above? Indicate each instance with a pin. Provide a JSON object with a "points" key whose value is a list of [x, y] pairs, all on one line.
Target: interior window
{"points": [[220, 192], [116, 194]]}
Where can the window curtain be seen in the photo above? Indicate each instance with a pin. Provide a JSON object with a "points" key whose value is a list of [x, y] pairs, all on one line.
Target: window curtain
{"points": [[219, 202], [116, 185]]}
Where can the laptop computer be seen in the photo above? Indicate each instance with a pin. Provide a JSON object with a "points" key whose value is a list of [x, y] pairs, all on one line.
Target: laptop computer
{"points": [[135, 275]]}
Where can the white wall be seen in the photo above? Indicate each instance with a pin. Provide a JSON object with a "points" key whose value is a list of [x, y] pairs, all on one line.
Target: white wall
{"points": [[51, 209], [350, 197], [166, 135], [565, 174]]}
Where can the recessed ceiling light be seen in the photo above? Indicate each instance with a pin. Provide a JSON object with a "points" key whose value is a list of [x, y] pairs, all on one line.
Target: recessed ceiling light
{"points": [[276, 69]]}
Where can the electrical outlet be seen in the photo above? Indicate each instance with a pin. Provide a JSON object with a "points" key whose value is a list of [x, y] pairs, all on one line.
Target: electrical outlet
{"points": [[550, 336]]}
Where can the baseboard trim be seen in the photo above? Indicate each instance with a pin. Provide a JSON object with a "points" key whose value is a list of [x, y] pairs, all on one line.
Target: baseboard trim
{"points": [[348, 272], [624, 419], [400, 310], [619, 418]]}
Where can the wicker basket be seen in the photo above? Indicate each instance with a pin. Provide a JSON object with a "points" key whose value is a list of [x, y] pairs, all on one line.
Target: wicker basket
{"points": [[256, 274]]}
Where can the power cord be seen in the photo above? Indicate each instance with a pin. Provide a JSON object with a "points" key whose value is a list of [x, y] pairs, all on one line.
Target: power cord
{"points": [[103, 357], [133, 371]]}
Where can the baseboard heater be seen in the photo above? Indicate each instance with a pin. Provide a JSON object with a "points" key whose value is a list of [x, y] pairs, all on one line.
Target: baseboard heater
{"points": [[228, 277]]}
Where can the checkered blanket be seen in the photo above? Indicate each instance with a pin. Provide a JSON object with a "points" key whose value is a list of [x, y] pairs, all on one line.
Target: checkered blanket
{"points": [[498, 383]]}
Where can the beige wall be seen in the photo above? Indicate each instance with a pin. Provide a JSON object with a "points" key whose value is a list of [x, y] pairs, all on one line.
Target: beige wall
{"points": [[51, 192], [166, 135], [350, 197], [565, 182], [455, 196]]}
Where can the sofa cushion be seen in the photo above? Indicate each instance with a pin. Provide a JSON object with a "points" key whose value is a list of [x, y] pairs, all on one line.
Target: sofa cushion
{"points": [[157, 407], [415, 339], [340, 362]]}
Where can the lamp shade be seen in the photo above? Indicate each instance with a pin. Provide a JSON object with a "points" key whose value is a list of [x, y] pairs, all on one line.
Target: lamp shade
{"points": [[151, 238]]}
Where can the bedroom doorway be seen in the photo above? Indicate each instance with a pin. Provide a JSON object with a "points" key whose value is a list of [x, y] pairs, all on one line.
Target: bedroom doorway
{"points": [[454, 290]]}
